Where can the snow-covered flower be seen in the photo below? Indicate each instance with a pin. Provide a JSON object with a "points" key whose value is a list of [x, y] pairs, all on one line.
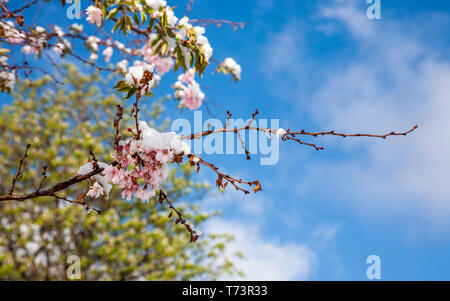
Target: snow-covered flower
{"points": [[156, 4], [78, 28], [233, 67], [135, 75], [92, 42], [107, 53], [7, 79], [58, 30], [280, 133], [93, 56], [40, 29], [27, 49], [171, 18], [119, 45], [11, 33], [122, 66], [94, 15], [203, 42], [95, 191], [99, 178]]}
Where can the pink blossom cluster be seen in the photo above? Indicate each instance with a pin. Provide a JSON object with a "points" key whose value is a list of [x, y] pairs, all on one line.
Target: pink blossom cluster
{"points": [[162, 64], [94, 15], [188, 90], [142, 165], [140, 171]]}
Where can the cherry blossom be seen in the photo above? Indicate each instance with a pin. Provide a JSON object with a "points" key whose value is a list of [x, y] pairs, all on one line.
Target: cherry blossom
{"points": [[188, 91], [107, 53], [77, 28], [94, 15], [233, 68], [156, 4], [122, 66], [280, 133], [95, 191]]}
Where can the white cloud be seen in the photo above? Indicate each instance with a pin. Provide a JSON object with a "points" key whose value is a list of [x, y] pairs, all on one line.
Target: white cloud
{"points": [[394, 79], [354, 17], [265, 259]]}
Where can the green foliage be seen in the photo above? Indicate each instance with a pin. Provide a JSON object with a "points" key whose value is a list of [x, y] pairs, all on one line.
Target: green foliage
{"points": [[129, 240]]}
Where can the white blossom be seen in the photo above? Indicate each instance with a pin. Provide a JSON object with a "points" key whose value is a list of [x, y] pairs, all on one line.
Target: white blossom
{"points": [[94, 15], [88, 167], [156, 4], [122, 66], [280, 133], [93, 56], [95, 191], [92, 42], [233, 67], [76, 28], [107, 53]]}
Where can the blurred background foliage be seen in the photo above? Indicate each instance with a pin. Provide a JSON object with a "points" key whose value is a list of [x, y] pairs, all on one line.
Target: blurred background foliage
{"points": [[129, 240]]}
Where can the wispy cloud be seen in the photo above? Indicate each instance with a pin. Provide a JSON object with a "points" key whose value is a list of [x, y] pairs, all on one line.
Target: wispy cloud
{"points": [[266, 259], [394, 80]]}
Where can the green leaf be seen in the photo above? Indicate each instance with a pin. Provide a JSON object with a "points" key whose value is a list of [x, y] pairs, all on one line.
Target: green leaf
{"points": [[118, 24], [130, 93], [112, 13], [136, 19]]}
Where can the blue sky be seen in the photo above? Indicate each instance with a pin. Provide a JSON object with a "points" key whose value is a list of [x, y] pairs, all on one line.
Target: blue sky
{"points": [[323, 65]]}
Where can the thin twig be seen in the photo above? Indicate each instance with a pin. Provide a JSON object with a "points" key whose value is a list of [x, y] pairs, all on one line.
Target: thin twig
{"points": [[19, 170]]}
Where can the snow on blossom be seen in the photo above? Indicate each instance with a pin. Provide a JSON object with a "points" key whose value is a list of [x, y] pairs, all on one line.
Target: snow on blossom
{"points": [[93, 56], [144, 161], [233, 68], [119, 45], [122, 66], [58, 30], [27, 49], [134, 75], [153, 139], [40, 29], [140, 71], [92, 42], [156, 4], [8, 79], [78, 28], [11, 33], [94, 15], [280, 133], [95, 191], [171, 18], [188, 90], [100, 178], [195, 231], [203, 42], [107, 53]]}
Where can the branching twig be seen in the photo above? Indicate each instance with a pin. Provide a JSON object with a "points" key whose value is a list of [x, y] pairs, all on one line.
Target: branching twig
{"points": [[19, 170], [80, 202], [223, 179], [289, 135], [58, 187], [180, 220]]}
